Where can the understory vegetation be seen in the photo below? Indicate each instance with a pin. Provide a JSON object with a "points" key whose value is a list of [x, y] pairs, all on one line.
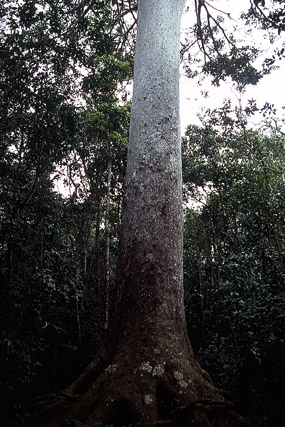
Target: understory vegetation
{"points": [[63, 144], [234, 262], [54, 267]]}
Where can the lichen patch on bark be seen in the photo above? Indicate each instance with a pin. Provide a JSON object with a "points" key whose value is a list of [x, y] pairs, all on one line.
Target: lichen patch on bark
{"points": [[145, 366], [148, 398], [111, 369], [159, 370]]}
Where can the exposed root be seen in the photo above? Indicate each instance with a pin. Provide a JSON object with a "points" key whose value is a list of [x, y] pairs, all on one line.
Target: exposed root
{"points": [[148, 380], [157, 388]]}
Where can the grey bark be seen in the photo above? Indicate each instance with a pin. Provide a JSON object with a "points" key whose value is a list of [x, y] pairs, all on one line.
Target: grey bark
{"points": [[107, 245], [151, 245]]}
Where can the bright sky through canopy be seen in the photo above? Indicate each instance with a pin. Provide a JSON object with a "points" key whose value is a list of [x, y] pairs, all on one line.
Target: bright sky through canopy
{"points": [[269, 89]]}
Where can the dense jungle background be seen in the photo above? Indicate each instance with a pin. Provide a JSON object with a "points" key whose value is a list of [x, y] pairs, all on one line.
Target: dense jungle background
{"points": [[63, 143]]}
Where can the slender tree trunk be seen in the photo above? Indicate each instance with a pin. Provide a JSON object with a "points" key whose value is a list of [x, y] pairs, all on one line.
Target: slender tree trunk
{"points": [[145, 371], [78, 320], [107, 243]]}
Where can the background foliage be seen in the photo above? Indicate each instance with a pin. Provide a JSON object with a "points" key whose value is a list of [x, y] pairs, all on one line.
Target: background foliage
{"points": [[234, 259]]}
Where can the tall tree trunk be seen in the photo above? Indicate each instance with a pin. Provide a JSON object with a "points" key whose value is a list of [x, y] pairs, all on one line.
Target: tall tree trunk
{"points": [[150, 260], [145, 371], [107, 247]]}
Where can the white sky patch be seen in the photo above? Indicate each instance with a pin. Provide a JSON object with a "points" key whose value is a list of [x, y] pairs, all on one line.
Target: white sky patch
{"points": [[192, 102], [269, 89]]}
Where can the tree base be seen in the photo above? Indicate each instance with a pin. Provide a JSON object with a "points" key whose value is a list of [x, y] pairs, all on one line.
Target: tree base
{"points": [[161, 385]]}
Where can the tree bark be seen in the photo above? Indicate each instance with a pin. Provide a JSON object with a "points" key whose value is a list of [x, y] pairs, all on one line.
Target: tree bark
{"points": [[145, 371], [107, 244], [149, 284]]}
